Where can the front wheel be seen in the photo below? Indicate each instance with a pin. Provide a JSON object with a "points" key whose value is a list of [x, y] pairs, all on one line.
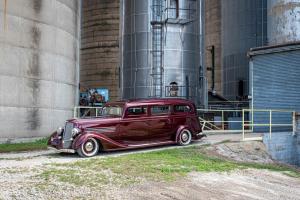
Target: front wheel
{"points": [[184, 137], [89, 148]]}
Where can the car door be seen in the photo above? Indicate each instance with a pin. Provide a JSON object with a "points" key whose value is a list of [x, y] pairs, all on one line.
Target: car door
{"points": [[134, 126], [160, 123], [181, 115]]}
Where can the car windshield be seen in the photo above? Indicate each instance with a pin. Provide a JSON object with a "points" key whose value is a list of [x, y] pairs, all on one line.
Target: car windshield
{"points": [[114, 110]]}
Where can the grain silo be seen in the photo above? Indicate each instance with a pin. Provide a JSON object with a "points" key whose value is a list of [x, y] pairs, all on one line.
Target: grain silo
{"points": [[99, 67], [39, 44], [283, 21], [213, 58], [162, 49], [244, 26]]}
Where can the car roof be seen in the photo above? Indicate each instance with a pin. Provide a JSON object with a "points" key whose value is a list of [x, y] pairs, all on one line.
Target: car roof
{"points": [[157, 101]]}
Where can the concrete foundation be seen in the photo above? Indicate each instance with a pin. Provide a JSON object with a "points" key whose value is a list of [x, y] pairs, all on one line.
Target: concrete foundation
{"points": [[284, 146], [100, 46]]}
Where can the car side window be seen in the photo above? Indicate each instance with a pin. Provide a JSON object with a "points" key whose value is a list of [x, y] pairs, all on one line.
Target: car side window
{"points": [[136, 111], [160, 110], [182, 109]]}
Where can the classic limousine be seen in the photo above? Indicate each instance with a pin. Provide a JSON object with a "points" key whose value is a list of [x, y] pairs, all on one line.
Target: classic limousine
{"points": [[130, 124]]}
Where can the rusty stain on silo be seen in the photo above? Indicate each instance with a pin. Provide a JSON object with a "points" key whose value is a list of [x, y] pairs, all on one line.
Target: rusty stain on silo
{"points": [[33, 117], [282, 7], [37, 5], [283, 21], [5, 10]]}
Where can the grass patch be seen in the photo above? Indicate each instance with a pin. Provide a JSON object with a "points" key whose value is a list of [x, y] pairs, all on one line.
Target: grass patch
{"points": [[28, 146], [166, 165]]}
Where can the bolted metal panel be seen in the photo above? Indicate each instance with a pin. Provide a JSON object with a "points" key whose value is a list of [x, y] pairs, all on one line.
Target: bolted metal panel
{"points": [[243, 27], [159, 49], [283, 21], [39, 64]]}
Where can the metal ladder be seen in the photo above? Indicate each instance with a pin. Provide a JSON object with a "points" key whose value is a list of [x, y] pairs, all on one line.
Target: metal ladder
{"points": [[157, 48]]}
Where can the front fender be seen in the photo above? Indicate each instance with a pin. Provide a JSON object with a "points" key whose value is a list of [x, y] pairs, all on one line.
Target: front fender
{"points": [[106, 142], [51, 136], [180, 128]]}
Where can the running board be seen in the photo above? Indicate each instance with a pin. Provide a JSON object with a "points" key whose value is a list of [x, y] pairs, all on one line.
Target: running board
{"points": [[253, 139], [151, 144]]}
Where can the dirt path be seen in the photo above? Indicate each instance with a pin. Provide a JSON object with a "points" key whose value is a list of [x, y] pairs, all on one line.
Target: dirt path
{"points": [[238, 185]]}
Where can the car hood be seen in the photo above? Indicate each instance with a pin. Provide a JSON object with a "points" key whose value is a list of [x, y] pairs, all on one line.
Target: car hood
{"points": [[91, 122]]}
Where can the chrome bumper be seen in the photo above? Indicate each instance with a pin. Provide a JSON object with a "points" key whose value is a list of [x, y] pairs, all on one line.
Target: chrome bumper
{"points": [[62, 150]]}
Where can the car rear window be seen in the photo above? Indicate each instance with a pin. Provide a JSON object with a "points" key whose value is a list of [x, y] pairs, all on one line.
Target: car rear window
{"points": [[182, 108], [160, 110]]}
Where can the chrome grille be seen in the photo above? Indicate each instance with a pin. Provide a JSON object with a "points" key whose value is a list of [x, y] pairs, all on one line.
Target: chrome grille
{"points": [[67, 136]]}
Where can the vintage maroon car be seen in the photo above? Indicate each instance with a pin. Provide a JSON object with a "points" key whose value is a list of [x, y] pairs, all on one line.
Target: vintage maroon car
{"points": [[130, 124]]}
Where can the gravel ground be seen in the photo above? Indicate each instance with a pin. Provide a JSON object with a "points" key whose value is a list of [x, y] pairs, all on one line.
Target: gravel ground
{"points": [[20, 178], [238, 185]]}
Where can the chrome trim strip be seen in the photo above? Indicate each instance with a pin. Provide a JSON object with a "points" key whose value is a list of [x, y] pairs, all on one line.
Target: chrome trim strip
{"points": [[102, 129]]}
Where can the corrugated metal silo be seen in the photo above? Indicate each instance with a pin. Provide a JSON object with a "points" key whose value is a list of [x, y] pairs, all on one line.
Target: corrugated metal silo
{"points": [[243, 27], [283, 21], [38, 65], [162, 51]]}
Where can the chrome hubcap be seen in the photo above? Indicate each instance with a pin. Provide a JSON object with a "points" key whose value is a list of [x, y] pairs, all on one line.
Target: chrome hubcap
{"points": [[184, 137], [89, 146]]}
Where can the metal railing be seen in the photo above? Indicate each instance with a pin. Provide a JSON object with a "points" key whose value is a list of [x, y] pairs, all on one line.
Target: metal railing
{"points": [[249, 121], [267, 121], [216, 121], [85, 112]]}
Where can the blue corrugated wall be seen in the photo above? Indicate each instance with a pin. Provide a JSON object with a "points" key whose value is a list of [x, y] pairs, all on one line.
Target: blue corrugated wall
{"points": [[276, 84]]}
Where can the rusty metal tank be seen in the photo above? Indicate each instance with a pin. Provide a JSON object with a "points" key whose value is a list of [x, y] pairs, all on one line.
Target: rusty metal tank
{"points": [[39, 46], [283, 21]]}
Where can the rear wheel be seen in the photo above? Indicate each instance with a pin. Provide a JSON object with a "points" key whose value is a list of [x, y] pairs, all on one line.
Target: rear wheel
{"points": [[184, 137], [89, 148]]}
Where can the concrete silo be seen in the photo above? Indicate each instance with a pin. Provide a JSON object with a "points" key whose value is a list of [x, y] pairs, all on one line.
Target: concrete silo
{"points": [[213, 42], [99, 67], [162, 49], [39, 46]]}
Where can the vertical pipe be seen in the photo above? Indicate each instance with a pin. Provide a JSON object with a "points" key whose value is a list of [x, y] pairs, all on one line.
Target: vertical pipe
{"points": [[294, 123], [270, 124], [213, 67], [252, 94], [223, 127], [79, 25], [121, 41], [243, 123], [187, 87], [75, 112]]}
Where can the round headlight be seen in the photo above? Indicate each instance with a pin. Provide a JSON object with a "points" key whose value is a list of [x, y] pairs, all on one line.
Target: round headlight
{"points": [[59, 130], [75, 131]]}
